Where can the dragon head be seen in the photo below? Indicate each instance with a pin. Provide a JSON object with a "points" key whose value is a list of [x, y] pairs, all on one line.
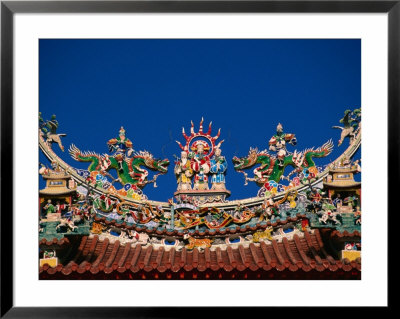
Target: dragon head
{"points": [[245, 162], [160, 165]]}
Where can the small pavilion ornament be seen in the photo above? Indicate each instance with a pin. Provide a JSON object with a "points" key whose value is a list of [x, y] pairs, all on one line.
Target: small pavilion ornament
{"points": [[200, 159], [56, 197]]}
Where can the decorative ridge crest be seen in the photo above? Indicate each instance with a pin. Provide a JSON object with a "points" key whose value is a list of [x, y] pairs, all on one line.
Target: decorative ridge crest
{"points": [[200, 134]]}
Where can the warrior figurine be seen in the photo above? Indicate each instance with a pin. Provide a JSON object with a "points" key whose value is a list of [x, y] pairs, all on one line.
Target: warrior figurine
{"points": [[277, 143], [121, 146]]}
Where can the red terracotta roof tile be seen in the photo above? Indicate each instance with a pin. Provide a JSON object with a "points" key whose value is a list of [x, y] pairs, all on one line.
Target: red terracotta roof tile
{"points": [[102, 253], [303, 256], [292, 259], [195, 258], [266, 255], [207, 256], [135, 258], [124, 256], [113, 254], [218, 253], [182, 261], [277, 252], [171, 257], [147, 256]]}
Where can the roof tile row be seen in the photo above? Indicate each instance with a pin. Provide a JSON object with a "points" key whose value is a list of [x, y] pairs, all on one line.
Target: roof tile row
{"points": [[305, 253]]}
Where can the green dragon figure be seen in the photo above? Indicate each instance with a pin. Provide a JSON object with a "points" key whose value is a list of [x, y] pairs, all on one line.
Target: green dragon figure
{"points": [[272, 170], [131, 171]]}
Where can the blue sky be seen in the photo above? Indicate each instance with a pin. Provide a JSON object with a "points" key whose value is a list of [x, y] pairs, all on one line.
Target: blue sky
{"points": [[153, 88]]}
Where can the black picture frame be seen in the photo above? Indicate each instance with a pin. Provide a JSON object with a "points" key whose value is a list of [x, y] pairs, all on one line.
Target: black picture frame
{"points": [[9, 8]]}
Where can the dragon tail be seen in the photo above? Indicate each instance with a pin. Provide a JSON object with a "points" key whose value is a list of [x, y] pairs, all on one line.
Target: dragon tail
{"points": [[322, 151], [326, 148], [74, 152], [77, 155]]}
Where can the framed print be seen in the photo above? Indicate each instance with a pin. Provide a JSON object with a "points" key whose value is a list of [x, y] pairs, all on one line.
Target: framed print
{"points": [[189, 145]]}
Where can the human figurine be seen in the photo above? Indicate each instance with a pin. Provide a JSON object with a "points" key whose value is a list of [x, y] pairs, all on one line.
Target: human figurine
{"points": [[218, 169], [55, 167], [337, 202], [351, 201], [327, 204], [183, 172], [346, 163], [213, 220], [277, 143], [60, 207], [270, 208], [106, 201], [49, 207], [238, 214], [164, 216], [357, 216], [315, 197], [200, 163], [358, 167], [121, 146]]}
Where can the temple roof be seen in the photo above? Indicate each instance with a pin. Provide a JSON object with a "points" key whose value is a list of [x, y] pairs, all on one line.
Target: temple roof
{"points": [[56, 175], [96, 257], [343, 183], [352, 169], [56, 191]]}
